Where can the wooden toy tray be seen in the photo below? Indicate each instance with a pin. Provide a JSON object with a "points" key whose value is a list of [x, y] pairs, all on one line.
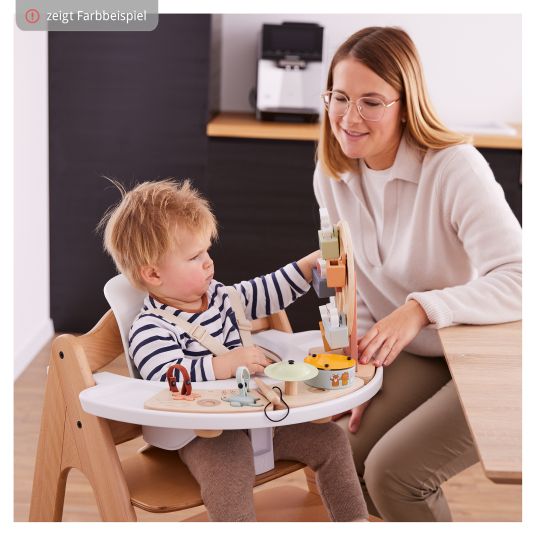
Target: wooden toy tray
{"points": [[211, 401]]}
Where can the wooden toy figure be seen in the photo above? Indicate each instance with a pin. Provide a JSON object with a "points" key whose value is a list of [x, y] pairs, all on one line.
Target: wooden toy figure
{"points": [[243, 398], [336, 272], [186, 389]]}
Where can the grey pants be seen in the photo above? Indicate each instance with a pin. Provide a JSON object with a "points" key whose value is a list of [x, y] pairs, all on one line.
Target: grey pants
{"points": [[223, 467], [412, 438]]}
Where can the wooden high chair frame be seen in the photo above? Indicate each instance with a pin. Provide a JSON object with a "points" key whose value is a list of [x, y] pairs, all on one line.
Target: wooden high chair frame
{"points": [[155, 480]]}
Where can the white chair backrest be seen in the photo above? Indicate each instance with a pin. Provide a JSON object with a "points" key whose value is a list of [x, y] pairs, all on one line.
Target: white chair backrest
{"points": [[126, 302]]}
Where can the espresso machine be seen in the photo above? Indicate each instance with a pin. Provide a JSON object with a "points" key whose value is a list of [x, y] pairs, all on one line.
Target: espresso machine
{"points": [[289, 72]]}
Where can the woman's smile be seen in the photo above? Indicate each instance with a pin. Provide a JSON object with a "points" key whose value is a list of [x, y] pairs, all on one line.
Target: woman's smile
{"points": [[354, 134]]}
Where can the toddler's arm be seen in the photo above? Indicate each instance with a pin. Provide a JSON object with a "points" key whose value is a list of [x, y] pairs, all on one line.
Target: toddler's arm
{"points": [[267, 294], [153, 349]]}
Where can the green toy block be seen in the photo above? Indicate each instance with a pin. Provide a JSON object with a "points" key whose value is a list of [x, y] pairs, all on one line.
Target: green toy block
{"points": [[329, 246]]}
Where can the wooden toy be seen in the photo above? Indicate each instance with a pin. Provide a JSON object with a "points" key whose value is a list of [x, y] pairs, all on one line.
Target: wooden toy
{"points": [[336, 273], [186, 389], [339, 321], [325, 342], [210, 402], [291, 373], [334, 326], [330, 361], [243, 398], [321, 350], [366, 372], [329, 244], [335, 371], [321, 267], [321, 286], [270, 394]]}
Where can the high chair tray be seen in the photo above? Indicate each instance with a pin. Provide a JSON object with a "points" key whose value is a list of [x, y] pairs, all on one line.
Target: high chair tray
{"points": [[122, 399]]}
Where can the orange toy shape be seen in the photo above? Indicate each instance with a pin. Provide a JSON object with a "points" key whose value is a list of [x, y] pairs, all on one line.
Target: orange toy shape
{"points": [[186, 389]]}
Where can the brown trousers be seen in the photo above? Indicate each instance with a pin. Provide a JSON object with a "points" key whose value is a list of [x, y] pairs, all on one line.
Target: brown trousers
{"points": [[223, 467], [412, 438]]}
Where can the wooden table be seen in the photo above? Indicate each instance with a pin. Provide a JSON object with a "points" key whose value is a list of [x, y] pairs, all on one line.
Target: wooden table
{"points": [[485, 363]]}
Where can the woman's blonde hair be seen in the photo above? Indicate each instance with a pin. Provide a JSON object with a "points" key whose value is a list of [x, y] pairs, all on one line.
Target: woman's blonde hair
{"points": [[391, 54], [143, 227]]}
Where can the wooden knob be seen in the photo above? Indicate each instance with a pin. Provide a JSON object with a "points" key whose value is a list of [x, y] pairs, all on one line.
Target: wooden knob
{"points": [[208, 433]]}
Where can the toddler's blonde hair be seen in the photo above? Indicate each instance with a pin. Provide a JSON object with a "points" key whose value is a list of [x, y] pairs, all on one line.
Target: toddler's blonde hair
{"points": [[142, 228]]}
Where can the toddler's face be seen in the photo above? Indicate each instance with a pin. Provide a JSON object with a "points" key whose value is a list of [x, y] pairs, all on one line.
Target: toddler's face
{"points": [[187, 271]]}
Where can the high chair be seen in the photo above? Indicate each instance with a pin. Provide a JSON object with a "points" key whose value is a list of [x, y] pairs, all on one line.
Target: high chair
{"points": [[153, 479]]}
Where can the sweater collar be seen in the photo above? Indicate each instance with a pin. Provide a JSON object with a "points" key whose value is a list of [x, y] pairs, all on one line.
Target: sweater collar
{"points": [[408, 161]]}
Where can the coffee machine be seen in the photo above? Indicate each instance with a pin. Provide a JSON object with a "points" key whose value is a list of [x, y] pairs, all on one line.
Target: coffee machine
{"points": [[289, 72]]}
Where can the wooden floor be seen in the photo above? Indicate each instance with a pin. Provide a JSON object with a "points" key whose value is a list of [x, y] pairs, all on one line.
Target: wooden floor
{"points": [[472, 497]]}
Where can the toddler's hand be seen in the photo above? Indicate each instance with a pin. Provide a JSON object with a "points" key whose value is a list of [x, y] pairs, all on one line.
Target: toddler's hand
{"points": [[225, 365], [306, 264]]}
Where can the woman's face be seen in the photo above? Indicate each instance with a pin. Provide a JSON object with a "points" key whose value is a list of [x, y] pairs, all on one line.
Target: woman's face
{"points": [[374, 141]]}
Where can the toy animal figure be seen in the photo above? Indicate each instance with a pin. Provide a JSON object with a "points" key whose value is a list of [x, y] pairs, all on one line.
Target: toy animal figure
{"points": [[335, 380], [243, 398], [345, 377]]}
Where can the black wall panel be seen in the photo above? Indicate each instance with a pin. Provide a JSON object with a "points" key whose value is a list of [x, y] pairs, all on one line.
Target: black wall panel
{"points": [[130, 105], [262, 194], [506, 166]]}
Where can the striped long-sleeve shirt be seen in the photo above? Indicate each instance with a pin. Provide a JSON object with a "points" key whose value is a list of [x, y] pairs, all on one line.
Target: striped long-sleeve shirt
{"points": [[155, 344]]}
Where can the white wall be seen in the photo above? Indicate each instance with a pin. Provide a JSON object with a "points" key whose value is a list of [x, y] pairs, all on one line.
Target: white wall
{"points": [[33, 327], [472, 63]]}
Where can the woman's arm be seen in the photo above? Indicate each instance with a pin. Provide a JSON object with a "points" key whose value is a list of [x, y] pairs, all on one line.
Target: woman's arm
{"points": [[473, 204]]}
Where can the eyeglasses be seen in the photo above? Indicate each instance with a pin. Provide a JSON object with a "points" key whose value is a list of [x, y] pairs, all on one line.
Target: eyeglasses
{"points": [[369, 108]]}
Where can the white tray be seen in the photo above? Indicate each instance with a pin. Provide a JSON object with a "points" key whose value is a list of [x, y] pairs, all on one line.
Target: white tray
{"points": [[121, 398]]}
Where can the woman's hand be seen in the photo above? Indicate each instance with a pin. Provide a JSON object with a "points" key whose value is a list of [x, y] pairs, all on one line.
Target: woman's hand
{"points": [[387, 338]]}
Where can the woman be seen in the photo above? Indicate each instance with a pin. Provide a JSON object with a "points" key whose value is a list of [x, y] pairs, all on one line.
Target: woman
{"points": [[435, 244]]}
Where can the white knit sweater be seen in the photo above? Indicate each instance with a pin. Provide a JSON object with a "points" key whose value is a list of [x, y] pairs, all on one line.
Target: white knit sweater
{"points": [[451, 241]]}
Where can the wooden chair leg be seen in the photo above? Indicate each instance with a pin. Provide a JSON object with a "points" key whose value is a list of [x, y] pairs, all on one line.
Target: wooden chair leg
{"points": [[72, 438], [310, 477], [48, 490], [93, 449]]}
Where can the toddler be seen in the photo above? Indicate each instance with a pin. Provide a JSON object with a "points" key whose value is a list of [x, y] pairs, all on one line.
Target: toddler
{"points": [[159, 237]]}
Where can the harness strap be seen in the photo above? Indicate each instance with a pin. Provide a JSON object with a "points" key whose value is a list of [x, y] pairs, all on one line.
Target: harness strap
{"points": [[244, 325], [196, 331], [200, 334]]}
